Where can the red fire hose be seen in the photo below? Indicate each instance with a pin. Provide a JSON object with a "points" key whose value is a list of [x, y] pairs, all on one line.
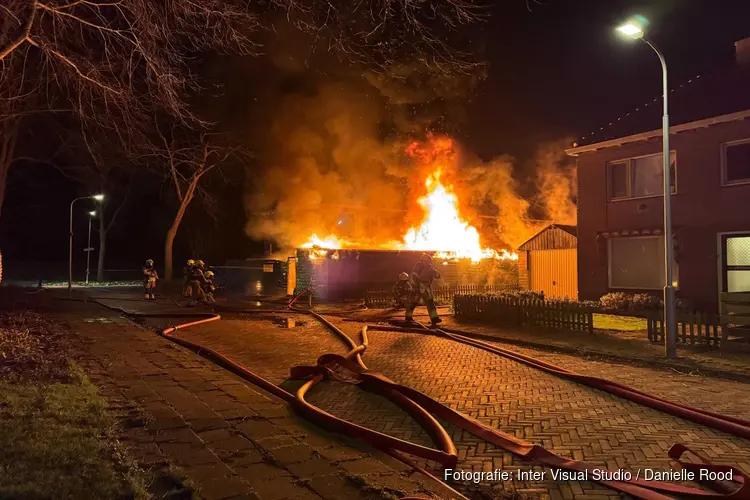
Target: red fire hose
{"points": [[351, 369]]}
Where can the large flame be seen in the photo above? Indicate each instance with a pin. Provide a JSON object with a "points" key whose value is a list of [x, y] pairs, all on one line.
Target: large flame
{"points": [[442, 230]]}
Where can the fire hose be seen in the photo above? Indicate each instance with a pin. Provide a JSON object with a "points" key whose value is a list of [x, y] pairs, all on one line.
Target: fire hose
{"points": [[423, 409]]}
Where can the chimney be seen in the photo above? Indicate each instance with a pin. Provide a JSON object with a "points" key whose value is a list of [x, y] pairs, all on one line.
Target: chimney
{"points": [[742, 52]]}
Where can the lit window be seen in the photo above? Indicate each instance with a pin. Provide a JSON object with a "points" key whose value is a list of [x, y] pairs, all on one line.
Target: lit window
{"points": [[638, 263], [736, 162], [737, 261], [638, 177]]}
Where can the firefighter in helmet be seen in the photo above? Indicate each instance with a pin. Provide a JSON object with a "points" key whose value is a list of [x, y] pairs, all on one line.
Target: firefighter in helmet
{"points": [[196, 281], [405, 295], [187, 272], [423, 275], [149, 280], [208, 287]]}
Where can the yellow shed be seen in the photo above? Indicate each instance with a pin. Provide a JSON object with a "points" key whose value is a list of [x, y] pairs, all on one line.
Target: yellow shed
{"points": [[548, 262]]}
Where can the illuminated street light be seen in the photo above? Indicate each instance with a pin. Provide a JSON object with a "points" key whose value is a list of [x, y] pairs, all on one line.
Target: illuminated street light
{"points": [[88, 248], [635, 30], [631, 30], [97, 197]]}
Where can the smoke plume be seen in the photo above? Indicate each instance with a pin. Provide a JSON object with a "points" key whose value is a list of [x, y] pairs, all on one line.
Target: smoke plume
{"points": [[336, 163]]}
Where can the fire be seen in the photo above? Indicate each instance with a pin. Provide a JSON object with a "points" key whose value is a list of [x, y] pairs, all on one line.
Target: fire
{"points": [[442, 230], [319, 246]]}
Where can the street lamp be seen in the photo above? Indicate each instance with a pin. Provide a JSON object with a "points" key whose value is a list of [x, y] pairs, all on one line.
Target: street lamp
{"points": [[88, 250], [635, 30], [97, 197]]}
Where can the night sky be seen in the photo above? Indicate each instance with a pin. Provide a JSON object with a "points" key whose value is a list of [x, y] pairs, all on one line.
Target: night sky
{"points": [[555, 70]]}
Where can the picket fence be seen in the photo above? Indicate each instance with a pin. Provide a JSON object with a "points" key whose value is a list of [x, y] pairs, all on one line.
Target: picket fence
{"points": [[381, 298], [692, 328], [517, 311]]}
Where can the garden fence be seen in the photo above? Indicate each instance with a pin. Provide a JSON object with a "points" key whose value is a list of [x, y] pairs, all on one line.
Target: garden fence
{"points": [[692, 328], [381, 298], [519, 311]]}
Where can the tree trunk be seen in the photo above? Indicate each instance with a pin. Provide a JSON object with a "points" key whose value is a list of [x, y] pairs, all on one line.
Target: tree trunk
{"points": [[8, 136], [102, 248], [172, 231]]}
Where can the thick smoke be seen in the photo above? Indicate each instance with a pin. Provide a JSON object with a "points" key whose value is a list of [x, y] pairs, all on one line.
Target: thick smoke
{"points": [[336, 164]]}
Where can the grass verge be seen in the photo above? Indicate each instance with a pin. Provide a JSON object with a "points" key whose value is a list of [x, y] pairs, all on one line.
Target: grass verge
{"points": [[619, 323], [57, 437]]}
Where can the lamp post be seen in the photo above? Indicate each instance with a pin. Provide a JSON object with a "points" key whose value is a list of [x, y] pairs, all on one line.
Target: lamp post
{"points": [[97, 197], [88, 250], [634, 30]]}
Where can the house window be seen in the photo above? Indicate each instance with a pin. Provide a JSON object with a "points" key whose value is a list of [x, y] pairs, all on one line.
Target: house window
{"points": [[638, 177], [737, 263], [736, 162], [638, 263]]}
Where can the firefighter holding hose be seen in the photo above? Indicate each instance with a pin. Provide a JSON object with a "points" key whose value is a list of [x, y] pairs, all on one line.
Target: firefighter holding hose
{"points": [[423, 275], [405, 295]]}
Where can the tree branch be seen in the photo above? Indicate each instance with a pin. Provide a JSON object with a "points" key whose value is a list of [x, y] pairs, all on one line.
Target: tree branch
{"points": [[24, 36]]}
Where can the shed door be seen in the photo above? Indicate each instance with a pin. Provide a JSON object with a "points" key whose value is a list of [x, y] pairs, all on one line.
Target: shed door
{"points": [[554, 272]]}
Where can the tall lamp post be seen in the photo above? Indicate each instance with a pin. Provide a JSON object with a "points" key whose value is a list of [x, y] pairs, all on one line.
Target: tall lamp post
{"points": [[97, 197], [634, 30], [88, 250]]}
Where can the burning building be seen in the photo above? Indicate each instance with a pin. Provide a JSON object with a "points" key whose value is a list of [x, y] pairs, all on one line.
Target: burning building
{"points": [[342, 269]]}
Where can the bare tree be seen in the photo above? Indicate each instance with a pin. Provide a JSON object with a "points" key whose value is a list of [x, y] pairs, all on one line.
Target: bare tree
{"points": [[109, 63], [186, 164]]}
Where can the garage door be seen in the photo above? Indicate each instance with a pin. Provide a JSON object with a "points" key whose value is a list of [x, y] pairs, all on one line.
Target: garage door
{"points": [[554, 272]]}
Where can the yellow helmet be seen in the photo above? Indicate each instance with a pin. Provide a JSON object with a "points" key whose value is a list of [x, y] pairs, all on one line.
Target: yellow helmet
{"points": [[209, 274], [199, 263], [190, 262], [403, 277]]}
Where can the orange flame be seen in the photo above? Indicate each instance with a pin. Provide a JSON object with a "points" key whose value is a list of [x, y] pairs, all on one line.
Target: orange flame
{"points": [[442, 230]]}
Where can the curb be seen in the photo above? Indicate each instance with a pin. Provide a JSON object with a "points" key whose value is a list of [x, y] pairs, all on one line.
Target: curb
{"points": [[585, 353]]}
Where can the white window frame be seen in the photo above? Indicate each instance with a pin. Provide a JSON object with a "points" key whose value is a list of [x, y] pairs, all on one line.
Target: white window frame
{"points": [[724, 147], [675, 265], [629, 177]]}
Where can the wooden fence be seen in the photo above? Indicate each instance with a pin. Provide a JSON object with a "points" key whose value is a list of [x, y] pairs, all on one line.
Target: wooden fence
{"points": [[692, 328], [383, 298], [517, 311]]}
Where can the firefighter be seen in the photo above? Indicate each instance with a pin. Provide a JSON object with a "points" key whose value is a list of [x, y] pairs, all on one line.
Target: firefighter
{"points": [[423, 275], [187, 271], [405, 294], [208, 287], [149, 282], [196, 281]]}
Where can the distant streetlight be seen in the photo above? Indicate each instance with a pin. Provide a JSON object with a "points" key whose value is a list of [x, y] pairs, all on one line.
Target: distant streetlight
{"points": [[88, 249], [635, 30], [97, 197]]}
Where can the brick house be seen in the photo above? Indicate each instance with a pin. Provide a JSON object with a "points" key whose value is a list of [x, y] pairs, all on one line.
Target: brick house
{"points": [[620, 202]]}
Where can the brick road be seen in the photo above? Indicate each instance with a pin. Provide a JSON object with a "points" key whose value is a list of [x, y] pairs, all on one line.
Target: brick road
{"points": [[565, 417], [232, 441]]}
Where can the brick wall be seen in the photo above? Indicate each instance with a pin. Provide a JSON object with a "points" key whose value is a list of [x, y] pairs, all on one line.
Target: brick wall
{"points": [[701, 209]]}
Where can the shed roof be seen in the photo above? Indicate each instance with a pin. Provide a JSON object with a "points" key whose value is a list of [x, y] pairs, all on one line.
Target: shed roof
{"points": [[552, 237], [722, 94]]}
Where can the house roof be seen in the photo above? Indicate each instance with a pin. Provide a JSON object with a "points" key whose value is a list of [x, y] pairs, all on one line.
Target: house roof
{"points": [[695, 103]]}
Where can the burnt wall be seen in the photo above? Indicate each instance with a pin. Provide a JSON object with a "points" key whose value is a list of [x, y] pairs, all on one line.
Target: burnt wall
{"points": [[355, 271]]}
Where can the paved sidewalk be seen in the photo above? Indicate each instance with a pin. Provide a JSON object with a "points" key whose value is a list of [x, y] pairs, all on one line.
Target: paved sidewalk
{"points": [[231, 440]]}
